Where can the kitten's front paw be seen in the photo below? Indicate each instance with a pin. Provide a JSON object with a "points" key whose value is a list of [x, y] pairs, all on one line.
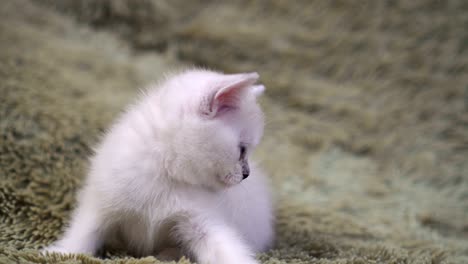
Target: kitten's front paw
{"points": [[54, 249]]}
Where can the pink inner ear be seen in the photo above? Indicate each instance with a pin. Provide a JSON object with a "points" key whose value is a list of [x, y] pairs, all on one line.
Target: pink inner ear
{"points": [[230, 94], [228, 97]]}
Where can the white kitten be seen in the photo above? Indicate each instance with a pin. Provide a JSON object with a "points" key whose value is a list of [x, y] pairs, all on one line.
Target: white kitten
{"points": [[172, 172]]}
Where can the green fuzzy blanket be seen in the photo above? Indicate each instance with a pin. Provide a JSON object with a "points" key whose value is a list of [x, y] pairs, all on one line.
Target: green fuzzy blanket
{"points": [[366, 103]]}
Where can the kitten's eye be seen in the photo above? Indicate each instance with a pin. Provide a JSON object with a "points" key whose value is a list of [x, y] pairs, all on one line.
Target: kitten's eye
{"points": [[242, 152]]}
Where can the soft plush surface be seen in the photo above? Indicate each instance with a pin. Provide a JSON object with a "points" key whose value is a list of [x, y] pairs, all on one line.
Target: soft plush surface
{"points": [[367, 108]]}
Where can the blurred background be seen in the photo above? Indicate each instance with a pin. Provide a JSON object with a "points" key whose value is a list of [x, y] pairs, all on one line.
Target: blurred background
{"points": [[366, 138]]}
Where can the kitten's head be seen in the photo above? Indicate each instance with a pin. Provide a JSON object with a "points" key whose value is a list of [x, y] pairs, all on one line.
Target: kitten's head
{"points": [[214, 125]]}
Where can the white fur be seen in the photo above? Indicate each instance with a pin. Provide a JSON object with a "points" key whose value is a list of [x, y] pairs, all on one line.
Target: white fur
{"points": [[168, 175]]}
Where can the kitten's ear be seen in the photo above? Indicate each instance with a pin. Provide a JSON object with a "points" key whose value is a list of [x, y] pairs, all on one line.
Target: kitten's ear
{"points": [[228, 94], [258, 90]]}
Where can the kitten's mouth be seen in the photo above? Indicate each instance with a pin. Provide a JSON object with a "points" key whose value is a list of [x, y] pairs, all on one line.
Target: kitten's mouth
{"points": [[230, 179]]}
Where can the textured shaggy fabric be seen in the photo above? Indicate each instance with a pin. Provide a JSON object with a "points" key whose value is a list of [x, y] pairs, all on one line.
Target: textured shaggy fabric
{"points": [[367, 109]]}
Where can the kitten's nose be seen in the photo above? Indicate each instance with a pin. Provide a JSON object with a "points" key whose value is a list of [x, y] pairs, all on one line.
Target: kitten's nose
{"points": [[245, 169], [245, 175]]}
